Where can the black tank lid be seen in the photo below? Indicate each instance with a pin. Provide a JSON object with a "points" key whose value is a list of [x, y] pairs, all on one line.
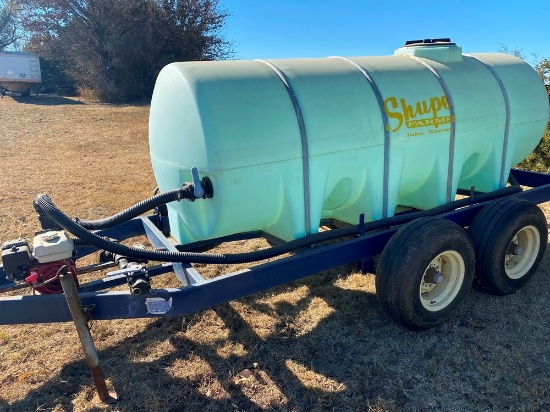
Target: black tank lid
{"points": [[445, 41]]}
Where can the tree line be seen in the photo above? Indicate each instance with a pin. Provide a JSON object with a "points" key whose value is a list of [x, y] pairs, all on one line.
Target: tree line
{"points": [[114, 49], [8, 26]]}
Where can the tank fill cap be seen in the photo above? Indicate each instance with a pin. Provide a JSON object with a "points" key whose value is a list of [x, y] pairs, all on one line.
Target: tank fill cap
{"points": [[445, 41], [440, 50]]}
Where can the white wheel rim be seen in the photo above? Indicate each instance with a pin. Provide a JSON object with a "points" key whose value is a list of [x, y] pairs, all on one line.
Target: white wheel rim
{"points": [[442, 281], [522, 252]]}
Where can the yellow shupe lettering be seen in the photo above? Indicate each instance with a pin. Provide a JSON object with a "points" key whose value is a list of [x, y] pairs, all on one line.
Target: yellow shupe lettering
{"points": [[394, 115], [406, 113]]}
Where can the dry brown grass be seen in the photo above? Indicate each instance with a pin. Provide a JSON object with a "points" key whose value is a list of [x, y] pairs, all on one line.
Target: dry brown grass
{"points": [[320, 344]]}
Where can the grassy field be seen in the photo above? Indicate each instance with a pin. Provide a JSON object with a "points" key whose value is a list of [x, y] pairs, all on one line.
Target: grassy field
{"points": [[320, 344]]}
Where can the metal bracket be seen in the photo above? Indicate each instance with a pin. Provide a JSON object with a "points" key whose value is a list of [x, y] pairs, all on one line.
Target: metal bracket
{"points": [[137, 277], [366, 265]]}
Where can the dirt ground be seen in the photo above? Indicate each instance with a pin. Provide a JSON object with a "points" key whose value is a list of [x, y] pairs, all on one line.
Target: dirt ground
{"points": [[319, 344]]}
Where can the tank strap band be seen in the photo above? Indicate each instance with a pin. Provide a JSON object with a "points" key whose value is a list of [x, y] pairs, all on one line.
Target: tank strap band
{"points": [[303, 136], [385, 120], [503, 177], [450, 194]]}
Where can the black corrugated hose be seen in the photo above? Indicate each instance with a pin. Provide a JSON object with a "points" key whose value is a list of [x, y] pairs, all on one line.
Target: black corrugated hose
{"points": [[185, 192], [47, 205]]}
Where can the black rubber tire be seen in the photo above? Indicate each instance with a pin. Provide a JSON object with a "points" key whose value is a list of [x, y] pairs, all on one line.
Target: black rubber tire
{"points": [[492, 232], [404, 261]]}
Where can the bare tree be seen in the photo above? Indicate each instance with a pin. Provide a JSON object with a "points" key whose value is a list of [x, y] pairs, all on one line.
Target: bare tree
{"points": [[8, 26], [542, 66], [117, 47]]}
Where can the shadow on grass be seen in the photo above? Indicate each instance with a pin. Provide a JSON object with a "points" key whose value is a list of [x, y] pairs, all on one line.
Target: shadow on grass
{"points": [[373, 364], [175, 393], [45, 100]]}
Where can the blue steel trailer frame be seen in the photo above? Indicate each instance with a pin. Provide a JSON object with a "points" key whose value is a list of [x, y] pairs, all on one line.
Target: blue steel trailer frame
{"points": [[198, 293]]}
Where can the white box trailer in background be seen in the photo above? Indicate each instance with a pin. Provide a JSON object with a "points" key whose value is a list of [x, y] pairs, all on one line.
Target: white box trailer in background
{"points": [[19, 72]]}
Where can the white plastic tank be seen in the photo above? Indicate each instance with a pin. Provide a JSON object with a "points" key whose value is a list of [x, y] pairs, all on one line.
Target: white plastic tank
{"points": [[287, 143]]}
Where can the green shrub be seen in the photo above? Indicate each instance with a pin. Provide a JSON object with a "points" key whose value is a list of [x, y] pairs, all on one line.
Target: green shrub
{"points": [[539, 160]]}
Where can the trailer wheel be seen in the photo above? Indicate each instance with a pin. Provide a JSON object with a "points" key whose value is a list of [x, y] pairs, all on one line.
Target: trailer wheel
{"points": [[424, 272], [509, 237]]}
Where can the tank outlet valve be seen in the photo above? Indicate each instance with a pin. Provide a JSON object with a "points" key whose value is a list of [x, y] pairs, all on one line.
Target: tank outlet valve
{"points": [[198, 190]]}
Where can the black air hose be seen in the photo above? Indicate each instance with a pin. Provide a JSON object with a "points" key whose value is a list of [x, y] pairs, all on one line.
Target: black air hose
{"points": [[47, 205], [185, 192]]}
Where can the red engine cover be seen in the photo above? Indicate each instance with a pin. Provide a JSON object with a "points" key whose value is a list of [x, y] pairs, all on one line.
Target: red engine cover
{"points": [[40, 274]]}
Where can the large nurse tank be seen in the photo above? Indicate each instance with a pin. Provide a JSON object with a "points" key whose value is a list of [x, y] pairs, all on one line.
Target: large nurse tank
{"points": [[287, 143]]}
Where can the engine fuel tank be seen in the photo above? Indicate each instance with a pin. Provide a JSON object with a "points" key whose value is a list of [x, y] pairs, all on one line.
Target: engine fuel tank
{"points": [[287, 143]]}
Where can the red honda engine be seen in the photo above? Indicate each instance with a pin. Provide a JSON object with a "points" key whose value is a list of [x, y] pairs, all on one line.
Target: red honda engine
{"points": [[39, 265], [43, 277]]}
